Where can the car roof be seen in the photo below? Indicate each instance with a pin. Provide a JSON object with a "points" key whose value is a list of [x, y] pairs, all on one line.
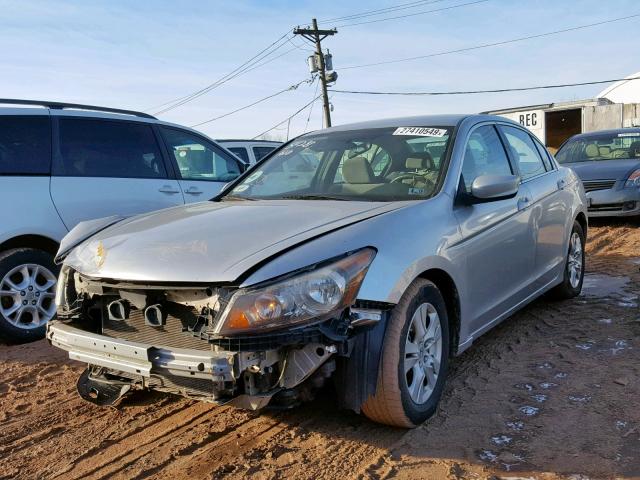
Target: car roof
{"points": [[34, 107], [240, 140], [448, 120], [606, 132]]}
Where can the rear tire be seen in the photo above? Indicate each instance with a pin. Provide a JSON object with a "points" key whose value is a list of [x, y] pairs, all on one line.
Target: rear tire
{"points": [[571, 285], [27, 293], [414, 363]]}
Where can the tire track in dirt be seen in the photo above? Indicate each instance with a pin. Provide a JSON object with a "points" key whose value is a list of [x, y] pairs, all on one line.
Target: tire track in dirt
{"points": [[109, 459]]}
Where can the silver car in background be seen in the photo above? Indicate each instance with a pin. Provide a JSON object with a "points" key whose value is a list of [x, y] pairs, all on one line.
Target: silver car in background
{"points": [[399, 244], [608, 163]]}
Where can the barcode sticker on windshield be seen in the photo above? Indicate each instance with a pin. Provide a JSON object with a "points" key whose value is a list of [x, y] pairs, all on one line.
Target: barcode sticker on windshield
{"points": [[421, 131]]}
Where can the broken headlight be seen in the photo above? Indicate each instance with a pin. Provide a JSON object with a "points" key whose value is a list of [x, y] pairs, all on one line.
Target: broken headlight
{"points": [[309, 296]]}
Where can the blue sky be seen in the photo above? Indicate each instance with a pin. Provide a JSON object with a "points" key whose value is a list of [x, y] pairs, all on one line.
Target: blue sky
{"points": [[140, 54]]}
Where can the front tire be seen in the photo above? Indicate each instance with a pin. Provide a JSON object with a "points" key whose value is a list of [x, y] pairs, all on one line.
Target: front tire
{"points": [[414, 361], [27, 293], [571, 285]]}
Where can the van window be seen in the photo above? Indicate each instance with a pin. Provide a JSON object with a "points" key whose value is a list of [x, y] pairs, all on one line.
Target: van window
{"points": [[106, 148], [198, 159], [25, 145]]}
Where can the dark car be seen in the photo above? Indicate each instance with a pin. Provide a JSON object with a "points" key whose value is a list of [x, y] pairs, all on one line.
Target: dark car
{"points": [[608, 162]]}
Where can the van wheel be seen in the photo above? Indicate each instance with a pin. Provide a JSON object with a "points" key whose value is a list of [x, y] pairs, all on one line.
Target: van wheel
{"points": [[28, 280], [414, 359], [571, 285]]}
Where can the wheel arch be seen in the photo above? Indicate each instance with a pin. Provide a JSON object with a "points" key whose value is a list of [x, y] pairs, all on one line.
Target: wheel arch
{"points": [[39, 242], [581, 218], [449, 290]]}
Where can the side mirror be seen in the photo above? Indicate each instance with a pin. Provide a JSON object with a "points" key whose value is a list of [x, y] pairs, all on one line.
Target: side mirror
{"points": [[487, 188]]}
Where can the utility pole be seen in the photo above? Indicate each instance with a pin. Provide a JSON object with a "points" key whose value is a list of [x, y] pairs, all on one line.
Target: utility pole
{"points": [[314, 35]]}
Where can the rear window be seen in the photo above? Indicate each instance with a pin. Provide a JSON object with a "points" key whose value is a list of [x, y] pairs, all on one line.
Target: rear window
{"points": [[103, 148], [240, 152], [261, 152], [25, 145]]}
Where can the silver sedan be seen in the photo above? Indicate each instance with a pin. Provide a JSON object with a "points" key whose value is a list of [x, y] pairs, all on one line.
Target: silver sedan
{"points": [[367, 253]]}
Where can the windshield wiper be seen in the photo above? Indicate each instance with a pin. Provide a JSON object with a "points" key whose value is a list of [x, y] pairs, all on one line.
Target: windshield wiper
{"points": [[311, 197]]}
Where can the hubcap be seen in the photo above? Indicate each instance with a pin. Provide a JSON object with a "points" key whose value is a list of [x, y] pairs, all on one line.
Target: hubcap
{"points": [[422, 352], [27, 295], [574, 263]]}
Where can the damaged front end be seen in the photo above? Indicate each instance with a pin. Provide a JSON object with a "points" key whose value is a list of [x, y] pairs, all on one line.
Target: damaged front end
{"points": [[221, 344]]}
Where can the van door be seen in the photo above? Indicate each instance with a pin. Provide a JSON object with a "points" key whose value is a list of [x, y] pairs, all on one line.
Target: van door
{"points": [[105, 167], [496, 235], [202, 167], [549, 209]]}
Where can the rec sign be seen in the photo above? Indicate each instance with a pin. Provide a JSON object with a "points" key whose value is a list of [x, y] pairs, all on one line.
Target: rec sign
{"points": [[530, 119]]}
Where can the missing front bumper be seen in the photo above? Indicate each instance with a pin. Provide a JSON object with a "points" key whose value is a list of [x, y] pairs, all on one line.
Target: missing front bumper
{"points": [[244, 379], [139, 358]]}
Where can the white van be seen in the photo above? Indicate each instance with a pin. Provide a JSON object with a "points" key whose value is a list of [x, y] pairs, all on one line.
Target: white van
{"points": [[61, 164]]}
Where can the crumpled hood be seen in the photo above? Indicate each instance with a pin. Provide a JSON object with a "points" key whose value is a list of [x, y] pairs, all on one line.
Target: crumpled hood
{"points": [[604, 169], [211, 241]]}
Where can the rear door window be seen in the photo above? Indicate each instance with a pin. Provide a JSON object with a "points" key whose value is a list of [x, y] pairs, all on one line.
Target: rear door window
{"points": [[25, 145], [105, 148], [524, 152], [546, 156]]}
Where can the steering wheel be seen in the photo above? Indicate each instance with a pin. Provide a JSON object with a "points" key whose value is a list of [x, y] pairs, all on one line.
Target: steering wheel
{"points": [[409, 175]]}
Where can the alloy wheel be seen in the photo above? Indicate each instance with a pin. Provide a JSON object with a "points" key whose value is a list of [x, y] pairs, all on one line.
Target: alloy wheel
{"points": [[27, 296], [422, 353], [574, 263]]}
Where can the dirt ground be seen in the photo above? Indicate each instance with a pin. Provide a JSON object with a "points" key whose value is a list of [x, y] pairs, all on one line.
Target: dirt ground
{"points": [[551, 393]]}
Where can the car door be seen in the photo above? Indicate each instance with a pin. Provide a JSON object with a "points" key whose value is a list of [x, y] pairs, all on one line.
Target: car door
{"points": [[549, 210], [495, 235], [202, 167], [106, 167]]}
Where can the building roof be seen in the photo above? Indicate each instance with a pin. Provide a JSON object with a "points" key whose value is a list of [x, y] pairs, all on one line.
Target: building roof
{"points": [[624, 91]]}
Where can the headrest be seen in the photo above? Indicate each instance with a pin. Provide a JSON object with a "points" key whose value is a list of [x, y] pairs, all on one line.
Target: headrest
{"points": [[357, 170], [634, 149], [420, 161], [604, 151], [592, 150]]}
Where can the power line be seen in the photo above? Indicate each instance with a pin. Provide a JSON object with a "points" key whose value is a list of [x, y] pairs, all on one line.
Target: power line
{"points": [[412, 14], [288, 89], [176, 100], [498, 90], [311, 109], [288, 118], [494, 44], [382, 11], [269, 50]]}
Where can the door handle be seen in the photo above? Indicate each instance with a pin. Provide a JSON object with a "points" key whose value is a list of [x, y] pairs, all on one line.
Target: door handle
{"points": [[193, 191], [168, 189], [523, 202], [561, 184]]}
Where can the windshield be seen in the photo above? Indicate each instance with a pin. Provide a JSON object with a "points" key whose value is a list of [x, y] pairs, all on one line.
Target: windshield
{"points": [[382, 164], [605, 146]]}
